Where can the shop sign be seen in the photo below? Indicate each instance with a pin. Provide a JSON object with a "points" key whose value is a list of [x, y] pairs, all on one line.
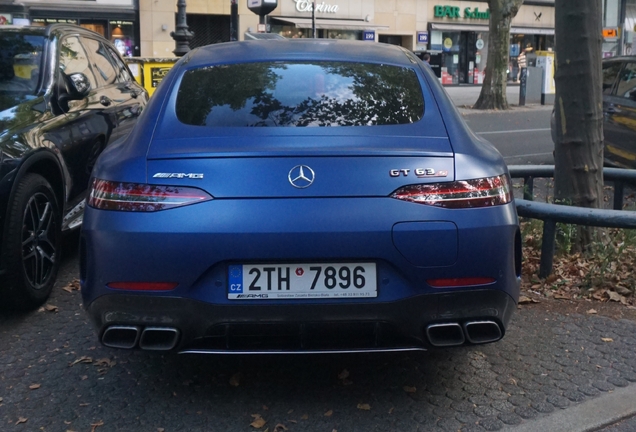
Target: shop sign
{"points": [[120, 22], [610, 33], [422, 37], [448, 43], [479, 44], [443, 11], [54, 21], [6, 19], [306, 5], [157, 74], [368, 35]]}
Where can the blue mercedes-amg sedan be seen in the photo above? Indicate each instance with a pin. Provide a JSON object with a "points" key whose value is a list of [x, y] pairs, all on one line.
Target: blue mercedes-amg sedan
{"points": [[300, 196]]}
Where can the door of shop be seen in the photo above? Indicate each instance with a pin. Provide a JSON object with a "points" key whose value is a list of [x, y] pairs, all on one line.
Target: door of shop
{"points": [[458, 57]]}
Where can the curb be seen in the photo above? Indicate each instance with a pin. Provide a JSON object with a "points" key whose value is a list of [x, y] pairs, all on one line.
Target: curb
{"points": [[587, 416]]}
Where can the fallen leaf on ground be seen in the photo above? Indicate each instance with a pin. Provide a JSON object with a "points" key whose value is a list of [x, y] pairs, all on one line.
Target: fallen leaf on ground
{"points": [[105, 362], [265, 407], [391, 410], [96, 425], [328, 413], [592, 311], [290, 411], [74, 285], [51, 308], [82, 359], [614, 296], [365, 407], [410, 389], [280, 427], [304, 417], [236, 379], [35, 386], [344, 374], [258, 422], [560, 296], [526, 300], [607, 339], [160, 430], [21, 420]]}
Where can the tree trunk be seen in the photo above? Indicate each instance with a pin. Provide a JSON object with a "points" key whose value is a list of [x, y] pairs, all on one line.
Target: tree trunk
{"points": [[493, 91], [578, 152]]}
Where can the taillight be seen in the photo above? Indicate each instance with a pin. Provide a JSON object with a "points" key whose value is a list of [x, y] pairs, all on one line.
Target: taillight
{"points": [[136, 197], [143, 286], [484, 192]]}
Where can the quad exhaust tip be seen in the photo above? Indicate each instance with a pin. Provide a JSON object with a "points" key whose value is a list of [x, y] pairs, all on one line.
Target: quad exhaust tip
{"points": [[125, 337], [446, 334], [479, 332], [158, 338], [454, 334]]}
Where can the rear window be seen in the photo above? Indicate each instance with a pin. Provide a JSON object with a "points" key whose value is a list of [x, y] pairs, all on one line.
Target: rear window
{"points": [[297, 94]]}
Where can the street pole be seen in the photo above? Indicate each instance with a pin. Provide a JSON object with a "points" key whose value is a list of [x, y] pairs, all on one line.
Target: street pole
{"points": [[313, 19], [233, 20], [182, 35]]}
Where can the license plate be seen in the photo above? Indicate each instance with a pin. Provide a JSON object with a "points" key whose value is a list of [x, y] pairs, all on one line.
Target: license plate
{"points": [[302, 281]]}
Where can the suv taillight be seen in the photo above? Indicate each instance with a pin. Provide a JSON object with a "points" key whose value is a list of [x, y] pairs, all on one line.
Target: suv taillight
{"points": [[137, 197], [484, 192]]}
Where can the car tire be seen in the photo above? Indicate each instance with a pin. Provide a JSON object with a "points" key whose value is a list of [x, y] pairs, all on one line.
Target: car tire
{"points": [[33, 243]]}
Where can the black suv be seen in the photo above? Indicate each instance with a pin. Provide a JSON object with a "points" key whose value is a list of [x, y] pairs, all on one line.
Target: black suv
{"points": [[65, 94], [619, 112]]}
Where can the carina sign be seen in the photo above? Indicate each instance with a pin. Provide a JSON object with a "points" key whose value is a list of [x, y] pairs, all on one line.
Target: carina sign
{"points": [[305, 6]]}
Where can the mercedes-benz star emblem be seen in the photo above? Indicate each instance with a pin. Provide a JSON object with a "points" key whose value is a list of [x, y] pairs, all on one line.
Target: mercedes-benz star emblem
{"points": [[301, 176]]}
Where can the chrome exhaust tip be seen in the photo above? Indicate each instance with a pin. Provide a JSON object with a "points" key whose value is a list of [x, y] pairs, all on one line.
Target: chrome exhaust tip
{"points": [[479, 332], [446, 334], [159, 338], [125, 337]]}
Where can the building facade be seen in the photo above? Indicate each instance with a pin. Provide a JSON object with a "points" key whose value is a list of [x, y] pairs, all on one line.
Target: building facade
{"points": [[454, 32], [117, 20]]}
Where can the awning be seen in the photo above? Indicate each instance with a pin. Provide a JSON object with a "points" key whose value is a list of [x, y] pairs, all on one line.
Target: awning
{"points": [[331, 24], [484, 28]]}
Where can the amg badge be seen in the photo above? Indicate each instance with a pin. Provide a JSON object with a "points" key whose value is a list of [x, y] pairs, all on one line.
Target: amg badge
{"points": [[178, 175]]}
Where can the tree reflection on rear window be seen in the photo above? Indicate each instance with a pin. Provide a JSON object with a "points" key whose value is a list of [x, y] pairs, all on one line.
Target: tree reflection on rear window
{"points": [[300, 94]]}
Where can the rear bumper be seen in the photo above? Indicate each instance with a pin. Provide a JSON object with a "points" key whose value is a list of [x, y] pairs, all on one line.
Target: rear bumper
{"points": [[265, 328]]}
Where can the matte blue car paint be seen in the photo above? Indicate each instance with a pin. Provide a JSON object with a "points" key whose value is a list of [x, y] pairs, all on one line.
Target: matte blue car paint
{"points": [[257, 216]]}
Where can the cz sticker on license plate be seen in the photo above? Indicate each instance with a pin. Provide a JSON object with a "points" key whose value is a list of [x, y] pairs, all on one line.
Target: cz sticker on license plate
{"points": [[302, 281]]}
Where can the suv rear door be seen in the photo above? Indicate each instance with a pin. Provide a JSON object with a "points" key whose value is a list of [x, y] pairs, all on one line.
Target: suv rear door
{"points": [[619, 106]]}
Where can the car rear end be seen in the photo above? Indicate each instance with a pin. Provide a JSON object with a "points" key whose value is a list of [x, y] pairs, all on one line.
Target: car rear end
{"points": [[323, 197]]}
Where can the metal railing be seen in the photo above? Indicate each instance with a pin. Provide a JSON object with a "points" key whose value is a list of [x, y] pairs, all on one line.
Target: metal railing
{"points": [[551, 214]]}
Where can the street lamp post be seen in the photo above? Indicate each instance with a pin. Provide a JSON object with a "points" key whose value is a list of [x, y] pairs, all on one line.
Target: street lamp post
{"points": [[182, 35], [313, 19]]}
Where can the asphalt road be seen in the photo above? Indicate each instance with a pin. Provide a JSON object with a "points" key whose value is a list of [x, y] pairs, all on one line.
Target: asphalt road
{"points": [[522, 136]]}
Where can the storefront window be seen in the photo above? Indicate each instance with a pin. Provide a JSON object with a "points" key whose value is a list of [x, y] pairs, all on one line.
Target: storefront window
{"points": [[292, 32], [122, 35], [96, 26]]}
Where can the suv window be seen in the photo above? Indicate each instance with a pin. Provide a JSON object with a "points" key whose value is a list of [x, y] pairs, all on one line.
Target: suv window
{"points": [[627, 84], [610, 72], [122, 71], [73, 59], [20, 64], [100, 60], [297, 94]]}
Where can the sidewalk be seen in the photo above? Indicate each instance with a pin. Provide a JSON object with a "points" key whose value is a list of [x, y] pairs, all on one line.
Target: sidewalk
{"points": [[465, 96]]}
